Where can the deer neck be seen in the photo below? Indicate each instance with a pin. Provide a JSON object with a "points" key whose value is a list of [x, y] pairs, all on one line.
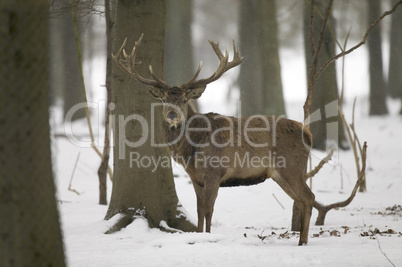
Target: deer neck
{"points": [[176, 139]]}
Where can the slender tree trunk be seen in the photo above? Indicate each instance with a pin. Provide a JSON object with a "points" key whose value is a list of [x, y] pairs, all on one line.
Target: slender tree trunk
{"points": [[29, 223], [378, 104], [102, 171], [141, 187]]}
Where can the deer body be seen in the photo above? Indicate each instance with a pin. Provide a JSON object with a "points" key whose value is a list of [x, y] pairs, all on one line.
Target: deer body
{"points": [[218, 151], [283, 152]]}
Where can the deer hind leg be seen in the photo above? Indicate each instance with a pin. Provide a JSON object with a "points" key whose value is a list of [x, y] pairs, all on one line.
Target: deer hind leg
{"points": [[298, 190], [307, 198]]}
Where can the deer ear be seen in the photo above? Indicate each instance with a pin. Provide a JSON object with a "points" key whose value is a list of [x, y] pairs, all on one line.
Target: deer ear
{"points": [[195, 93], [155, 92]]}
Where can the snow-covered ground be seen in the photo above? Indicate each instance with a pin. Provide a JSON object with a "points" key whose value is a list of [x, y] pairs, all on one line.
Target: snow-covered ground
{"points": [[249, 226]]}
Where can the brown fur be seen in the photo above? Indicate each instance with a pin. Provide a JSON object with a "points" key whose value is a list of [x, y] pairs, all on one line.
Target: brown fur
{"points": [[286, 138]]}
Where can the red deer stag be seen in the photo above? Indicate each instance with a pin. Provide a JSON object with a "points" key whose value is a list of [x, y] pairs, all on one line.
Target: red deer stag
{"points": [[218, 151]]}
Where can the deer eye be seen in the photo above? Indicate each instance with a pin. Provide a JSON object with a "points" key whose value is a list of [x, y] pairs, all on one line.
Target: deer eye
{"points": [[184, 101]]}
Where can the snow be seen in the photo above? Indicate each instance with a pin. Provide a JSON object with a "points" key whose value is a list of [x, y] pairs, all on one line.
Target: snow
{"points": [[249, 226]]}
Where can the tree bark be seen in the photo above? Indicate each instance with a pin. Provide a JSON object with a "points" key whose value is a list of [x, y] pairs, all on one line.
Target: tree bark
{"points": [[102, 170], [325, 123], [260, 76], [141, 188], [64, 60], [274, 103], [395, 57], [250, 80], [30, 230], [178, 64], [378, 104]]}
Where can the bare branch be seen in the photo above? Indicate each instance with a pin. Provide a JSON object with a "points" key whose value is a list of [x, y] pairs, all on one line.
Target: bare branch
{"points": [[320, 165], [319, 72], [322, 210]]}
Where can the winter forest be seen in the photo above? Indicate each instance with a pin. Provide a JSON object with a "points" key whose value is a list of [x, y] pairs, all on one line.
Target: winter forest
{"points": [[200, 133]]}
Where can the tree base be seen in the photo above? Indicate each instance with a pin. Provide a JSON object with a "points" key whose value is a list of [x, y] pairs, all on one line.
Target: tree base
{"points": [[180, 224]]}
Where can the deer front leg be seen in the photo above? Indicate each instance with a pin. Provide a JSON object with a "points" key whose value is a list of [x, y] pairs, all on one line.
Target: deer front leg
{"points": [[200, 193], [200, 213], [211, 192], [307, 197]]}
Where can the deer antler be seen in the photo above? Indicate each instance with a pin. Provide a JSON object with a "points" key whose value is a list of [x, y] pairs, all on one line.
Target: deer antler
{"points": [[224, 66], [128, 65]]}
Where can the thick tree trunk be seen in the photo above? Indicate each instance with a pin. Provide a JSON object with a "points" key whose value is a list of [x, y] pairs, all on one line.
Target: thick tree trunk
{"points": [[274, 103], [378, 104], [250, 77], [260, 74], [64, 61], [29, 223], [178, 65], [143, 183]]}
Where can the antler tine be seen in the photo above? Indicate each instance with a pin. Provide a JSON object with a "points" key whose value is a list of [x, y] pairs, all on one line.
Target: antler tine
{"points": [[224, 65], [237, 59], [118, 55], [194, 77], [156, 78], [128, 65]]}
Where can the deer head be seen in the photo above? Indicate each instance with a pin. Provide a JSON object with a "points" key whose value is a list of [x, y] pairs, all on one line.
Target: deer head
{"points": [[175, 98]]}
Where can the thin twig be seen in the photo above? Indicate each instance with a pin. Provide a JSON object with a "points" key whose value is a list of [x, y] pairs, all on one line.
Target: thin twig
{"points": [[359, 179], [322, 210], [385, 255], [311, 168], [72, 175], [277, 200], [320, 165], [353, 144], [343, 67]]}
